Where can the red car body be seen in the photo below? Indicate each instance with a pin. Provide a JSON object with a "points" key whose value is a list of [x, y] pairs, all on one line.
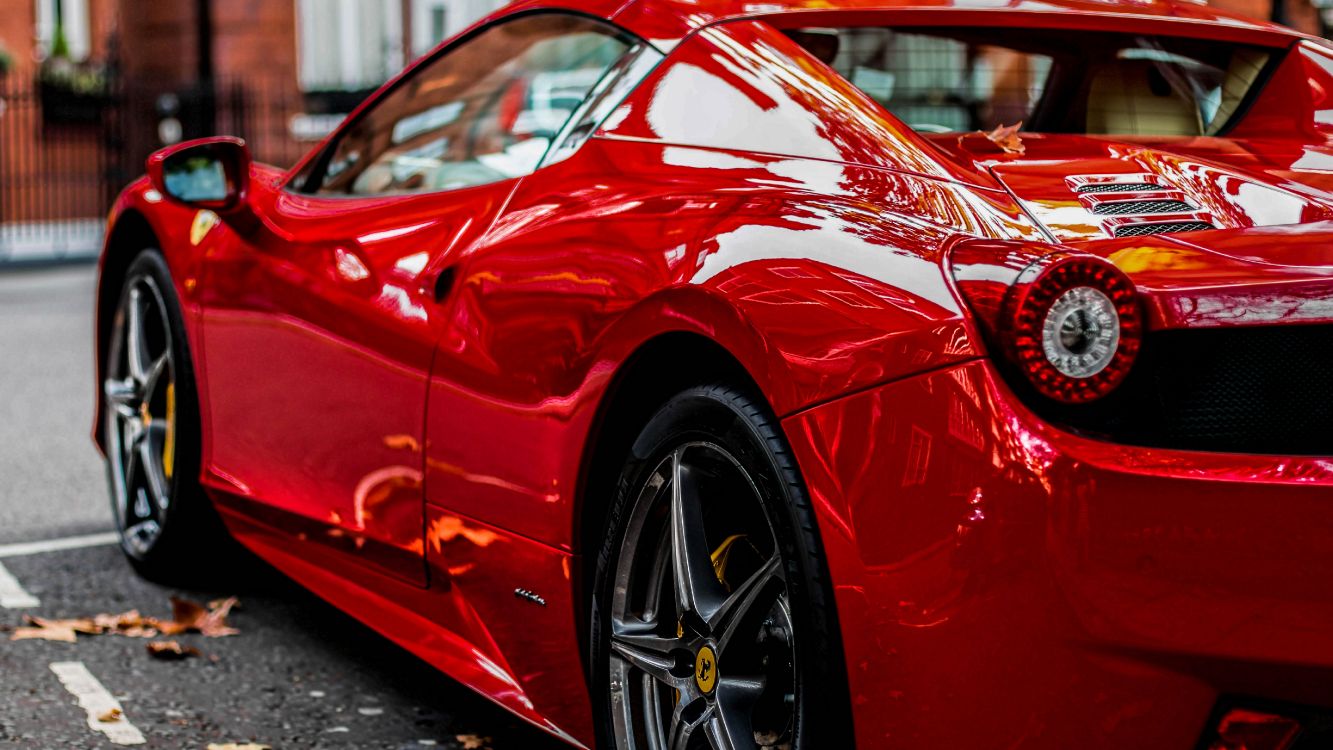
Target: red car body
{"points": [[1000, 581]]}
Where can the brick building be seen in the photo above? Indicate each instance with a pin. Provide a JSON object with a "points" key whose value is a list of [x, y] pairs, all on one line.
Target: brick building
{"points": [[94, 85], [282, 71]]}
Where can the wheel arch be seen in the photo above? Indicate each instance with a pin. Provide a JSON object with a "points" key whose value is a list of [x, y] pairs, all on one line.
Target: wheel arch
{"points": [[645, 381]]}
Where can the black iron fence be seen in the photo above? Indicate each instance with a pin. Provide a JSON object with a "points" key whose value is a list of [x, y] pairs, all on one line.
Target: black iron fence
{"points": [[64, 155], [54, 169]]}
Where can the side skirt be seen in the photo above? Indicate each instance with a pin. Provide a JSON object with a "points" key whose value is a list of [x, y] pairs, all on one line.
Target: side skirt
{"points": [[465, 635]]}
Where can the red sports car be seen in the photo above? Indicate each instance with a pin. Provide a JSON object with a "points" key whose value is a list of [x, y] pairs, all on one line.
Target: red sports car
{"points": [[799, 374]]}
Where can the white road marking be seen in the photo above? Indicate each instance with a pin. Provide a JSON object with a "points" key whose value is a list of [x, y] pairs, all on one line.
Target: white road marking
{"points": [[12, 595], [97, 702], [56, 545]]}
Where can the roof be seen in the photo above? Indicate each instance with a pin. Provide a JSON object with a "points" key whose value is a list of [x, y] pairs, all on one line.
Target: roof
{"points": [[668, 21]]}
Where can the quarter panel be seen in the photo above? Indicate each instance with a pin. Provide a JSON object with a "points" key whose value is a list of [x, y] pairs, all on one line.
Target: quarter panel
{"points": [[819, 277], [1060, 591], [934, 516]]}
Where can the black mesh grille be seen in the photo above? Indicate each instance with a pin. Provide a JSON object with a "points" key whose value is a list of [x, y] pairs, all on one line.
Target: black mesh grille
{"points": [[1266, 389], [1170, 227], [1119, 187], [1139, 208]]}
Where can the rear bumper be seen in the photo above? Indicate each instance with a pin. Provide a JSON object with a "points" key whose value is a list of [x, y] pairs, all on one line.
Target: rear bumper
{"points": [[1001, 583]]}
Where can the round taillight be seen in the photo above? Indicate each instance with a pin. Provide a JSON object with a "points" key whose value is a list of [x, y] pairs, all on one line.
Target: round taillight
{"points": [[1076, 328]]}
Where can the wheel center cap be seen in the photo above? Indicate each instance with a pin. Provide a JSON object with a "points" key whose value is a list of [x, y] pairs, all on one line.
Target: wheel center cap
{"points": [[705, 670]]}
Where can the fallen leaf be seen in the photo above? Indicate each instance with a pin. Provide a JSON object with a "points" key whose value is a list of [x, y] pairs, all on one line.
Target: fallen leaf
{"points": [[473, 742], [130, 624], [55, 630], [44, 634], [214, 624], [110, 715], [1007, 138], [211, 621], [170, 650]]}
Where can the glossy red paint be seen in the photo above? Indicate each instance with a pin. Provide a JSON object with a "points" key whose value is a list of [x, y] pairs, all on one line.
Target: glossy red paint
{"points": [[400, 395], [1060, 591]]}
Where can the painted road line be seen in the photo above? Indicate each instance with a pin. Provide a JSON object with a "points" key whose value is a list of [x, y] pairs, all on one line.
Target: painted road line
{"points": [[12, 595], [97, 703], [56, 545]]}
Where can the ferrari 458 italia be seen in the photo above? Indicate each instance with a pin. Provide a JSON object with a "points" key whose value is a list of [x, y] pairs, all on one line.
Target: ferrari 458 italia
{"points": [[804, 374]]}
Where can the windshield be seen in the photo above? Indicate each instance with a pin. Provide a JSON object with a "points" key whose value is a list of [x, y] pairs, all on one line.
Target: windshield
{"points": [[1054, 81]]}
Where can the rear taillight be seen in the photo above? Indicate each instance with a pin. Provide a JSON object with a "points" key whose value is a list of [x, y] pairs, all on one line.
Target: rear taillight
{"points": [[1068, 322]]}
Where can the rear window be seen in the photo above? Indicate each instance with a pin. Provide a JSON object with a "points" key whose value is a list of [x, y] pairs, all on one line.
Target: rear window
{"points": [[1057, 81]]}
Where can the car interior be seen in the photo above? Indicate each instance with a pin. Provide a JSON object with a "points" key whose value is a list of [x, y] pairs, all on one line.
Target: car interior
{"points": [[948, 80]]}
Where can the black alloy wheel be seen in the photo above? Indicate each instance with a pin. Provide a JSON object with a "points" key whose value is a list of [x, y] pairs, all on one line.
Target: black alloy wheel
{"points": [[713, 624]]}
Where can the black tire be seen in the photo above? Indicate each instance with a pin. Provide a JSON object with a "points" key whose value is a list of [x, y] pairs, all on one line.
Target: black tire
{"points": [[743, 426], [191, 545]]}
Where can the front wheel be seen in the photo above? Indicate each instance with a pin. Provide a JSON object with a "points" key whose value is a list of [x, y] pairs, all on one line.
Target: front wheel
{"points": [[713, 626], [168, 529]]}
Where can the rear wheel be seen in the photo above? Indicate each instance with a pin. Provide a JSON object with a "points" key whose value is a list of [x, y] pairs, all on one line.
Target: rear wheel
{"points": [[712, 622], [168, 529]]}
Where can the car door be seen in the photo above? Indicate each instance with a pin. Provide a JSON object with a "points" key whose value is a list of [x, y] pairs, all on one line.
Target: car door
{"points": [[320, 326], [500, 391]]}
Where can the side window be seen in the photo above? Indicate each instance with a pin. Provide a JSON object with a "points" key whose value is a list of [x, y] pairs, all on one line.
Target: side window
{"points": [[485, 111]]}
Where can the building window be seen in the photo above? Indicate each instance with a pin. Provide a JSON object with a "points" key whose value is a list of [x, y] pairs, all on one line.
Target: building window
{"points": [[67, 20], [430, 25], [349, 45]]}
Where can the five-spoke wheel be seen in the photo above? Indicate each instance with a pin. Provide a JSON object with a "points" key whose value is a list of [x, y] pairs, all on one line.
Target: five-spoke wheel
{"points": [[140, 422], [150, 434], [701, 633]]}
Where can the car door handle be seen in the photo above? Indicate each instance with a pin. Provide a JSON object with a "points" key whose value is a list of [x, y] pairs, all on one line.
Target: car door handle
{"points": [[444, 283]]}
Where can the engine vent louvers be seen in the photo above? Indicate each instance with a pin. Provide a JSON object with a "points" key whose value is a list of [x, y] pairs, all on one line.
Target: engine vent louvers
{"points": [[1136, 208], [1119, 187], [1141, 230]]}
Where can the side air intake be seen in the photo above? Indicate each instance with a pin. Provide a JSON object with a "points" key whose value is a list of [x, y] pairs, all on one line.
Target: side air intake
{"points": [[1119, 187], [1141, 208], [1171, 227]]}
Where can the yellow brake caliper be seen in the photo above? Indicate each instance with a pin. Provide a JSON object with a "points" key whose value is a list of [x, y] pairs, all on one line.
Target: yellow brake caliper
{"points": [[720, 557], [169, 450]]}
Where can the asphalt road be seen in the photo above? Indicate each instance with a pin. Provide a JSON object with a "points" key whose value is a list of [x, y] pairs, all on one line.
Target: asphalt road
{"points": [[298, 675]]}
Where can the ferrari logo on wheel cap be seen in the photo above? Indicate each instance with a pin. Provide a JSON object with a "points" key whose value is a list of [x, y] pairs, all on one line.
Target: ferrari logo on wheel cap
{"points": [[705, 670]]}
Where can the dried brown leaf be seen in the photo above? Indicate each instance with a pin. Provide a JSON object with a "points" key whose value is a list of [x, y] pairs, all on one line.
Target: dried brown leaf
{"points": [[187, 616], [110, 715], [210, 621], [473, 742], [1007, 138], [122, 621], [55, 630], [170, 650], [44, 634], [85, 625], [214, 624]]}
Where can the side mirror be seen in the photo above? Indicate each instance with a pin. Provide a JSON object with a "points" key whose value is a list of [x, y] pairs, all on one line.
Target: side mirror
{"points": [[209, 173]]}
